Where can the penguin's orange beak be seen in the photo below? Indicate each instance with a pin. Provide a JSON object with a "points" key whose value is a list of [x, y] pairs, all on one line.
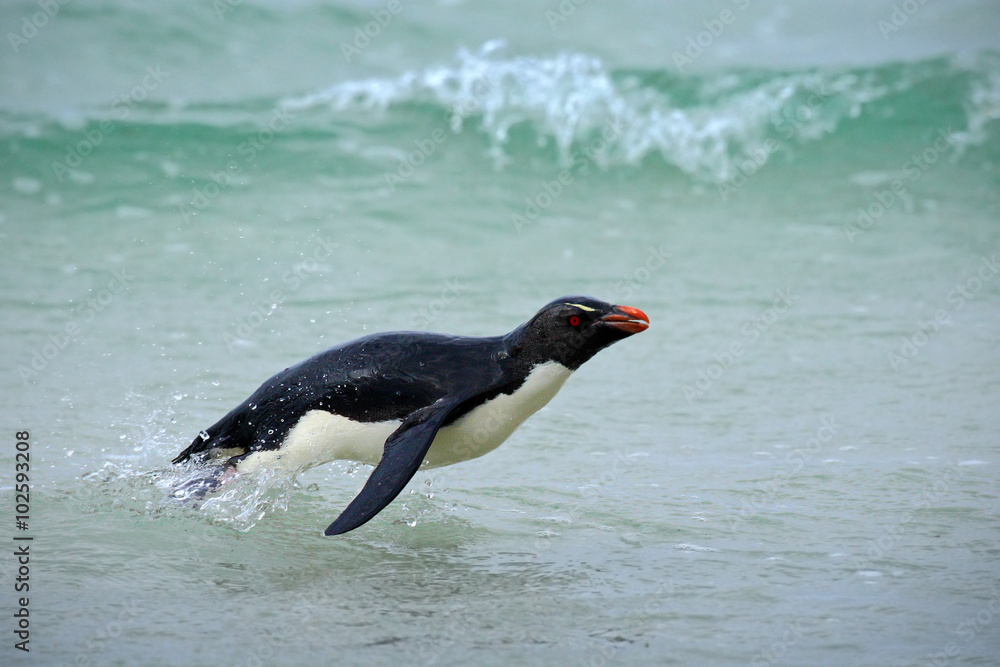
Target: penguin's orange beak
{"points": [[627, 319]]}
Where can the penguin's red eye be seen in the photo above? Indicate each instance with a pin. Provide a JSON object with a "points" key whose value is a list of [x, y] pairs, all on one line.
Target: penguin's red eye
{"points": [[574, 321]]}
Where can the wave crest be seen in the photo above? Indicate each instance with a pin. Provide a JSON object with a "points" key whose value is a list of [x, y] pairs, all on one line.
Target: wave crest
{"points": [[704, 125]]}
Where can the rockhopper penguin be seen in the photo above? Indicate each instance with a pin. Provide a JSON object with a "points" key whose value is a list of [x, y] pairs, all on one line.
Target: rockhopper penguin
{"points": [[405, 400]]}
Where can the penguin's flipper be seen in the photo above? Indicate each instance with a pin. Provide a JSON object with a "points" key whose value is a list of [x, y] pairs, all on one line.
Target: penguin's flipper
{"points": [[404, 451]]}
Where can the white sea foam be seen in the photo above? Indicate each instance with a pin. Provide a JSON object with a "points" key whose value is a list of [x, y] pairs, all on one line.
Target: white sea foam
{"points": [[707, 126]]}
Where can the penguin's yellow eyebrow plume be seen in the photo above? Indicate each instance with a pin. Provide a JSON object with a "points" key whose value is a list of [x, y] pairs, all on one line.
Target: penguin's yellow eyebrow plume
{"points": [[585, 308]]}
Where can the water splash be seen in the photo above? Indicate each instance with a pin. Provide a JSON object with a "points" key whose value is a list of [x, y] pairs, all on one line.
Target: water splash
{"points": [[139, 479]]}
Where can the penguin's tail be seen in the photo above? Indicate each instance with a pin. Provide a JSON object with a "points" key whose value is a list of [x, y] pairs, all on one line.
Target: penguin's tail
{"points": [[224, 434], [196, 447]]}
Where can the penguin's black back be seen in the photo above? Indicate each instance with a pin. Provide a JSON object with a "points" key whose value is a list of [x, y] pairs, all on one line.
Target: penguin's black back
{"points": [[376, 378]]}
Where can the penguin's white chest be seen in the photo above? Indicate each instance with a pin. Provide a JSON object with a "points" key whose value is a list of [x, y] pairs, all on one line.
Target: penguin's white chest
{"points": [[319, 436], [484, 428]]}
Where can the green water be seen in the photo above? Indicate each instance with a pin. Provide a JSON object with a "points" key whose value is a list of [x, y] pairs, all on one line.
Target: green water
{"points": [[796, 464]]}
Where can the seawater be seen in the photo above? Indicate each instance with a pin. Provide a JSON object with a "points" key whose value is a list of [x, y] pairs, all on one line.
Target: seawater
{"points": [[796, 464]]}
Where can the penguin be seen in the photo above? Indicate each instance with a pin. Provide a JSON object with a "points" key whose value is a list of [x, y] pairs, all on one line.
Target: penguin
{"points": [[402, 401]]}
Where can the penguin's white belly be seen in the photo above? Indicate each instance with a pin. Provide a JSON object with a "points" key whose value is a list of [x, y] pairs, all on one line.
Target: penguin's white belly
{"points": [[319, 436]]}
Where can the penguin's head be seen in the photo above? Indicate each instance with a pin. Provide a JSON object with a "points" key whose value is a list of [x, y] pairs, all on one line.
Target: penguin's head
{"points": [[573, 329]]}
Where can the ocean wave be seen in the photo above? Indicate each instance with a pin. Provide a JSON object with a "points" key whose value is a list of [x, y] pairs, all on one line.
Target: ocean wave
{"points": [[705, 125]]}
